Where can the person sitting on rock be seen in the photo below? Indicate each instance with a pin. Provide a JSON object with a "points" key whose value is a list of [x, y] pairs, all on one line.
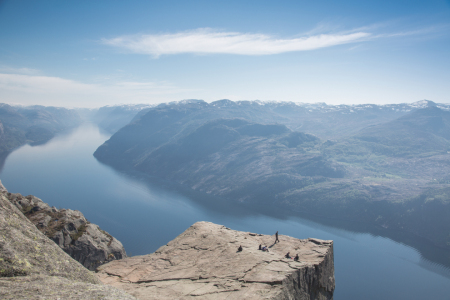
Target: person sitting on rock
{"points": [[240, 248], [296, 257], [288, 255], [265, 249]]}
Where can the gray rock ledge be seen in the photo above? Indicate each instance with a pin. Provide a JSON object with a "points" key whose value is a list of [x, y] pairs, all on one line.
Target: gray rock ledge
{"points": [[83, 241], [34, 267], [203, 263]]}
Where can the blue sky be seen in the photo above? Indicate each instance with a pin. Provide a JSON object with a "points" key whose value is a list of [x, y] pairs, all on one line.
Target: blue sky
{"points": [[95, 53]]}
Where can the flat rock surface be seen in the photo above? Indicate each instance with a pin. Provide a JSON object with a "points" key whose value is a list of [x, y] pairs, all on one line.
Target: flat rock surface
{"points": [[204, 263]]}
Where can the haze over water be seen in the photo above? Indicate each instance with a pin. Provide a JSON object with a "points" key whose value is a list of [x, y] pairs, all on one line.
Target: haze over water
{"points": [[145, 216]]}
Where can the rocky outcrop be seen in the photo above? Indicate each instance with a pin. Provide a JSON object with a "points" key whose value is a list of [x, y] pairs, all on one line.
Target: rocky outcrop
{"points": [[34, 267], [2, 188], [69, 229], [203, 263]]}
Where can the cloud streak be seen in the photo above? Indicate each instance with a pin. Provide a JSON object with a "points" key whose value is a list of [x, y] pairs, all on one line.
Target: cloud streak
{"points": [[207, 41]]}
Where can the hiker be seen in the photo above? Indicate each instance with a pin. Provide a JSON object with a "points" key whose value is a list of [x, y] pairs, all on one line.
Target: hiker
{"points": [[240, 248], [296, 257], [276, 238], [259, 247], [265, 249], [287, 255]]}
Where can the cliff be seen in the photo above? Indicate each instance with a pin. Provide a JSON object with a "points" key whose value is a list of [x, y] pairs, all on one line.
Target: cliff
{"points": [[203, 263], [69, 229], [34, 267]]}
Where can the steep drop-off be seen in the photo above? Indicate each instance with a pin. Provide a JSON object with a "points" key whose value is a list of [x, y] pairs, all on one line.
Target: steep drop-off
{"points": [[34, 267], [69, 229]]}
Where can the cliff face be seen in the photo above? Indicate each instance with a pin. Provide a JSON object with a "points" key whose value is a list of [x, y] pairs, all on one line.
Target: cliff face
{"points": [[69, 229], [203, 263], [34, 267]]}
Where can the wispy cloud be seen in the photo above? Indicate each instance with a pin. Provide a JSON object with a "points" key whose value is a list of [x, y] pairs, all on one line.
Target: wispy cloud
{"points": [[426, 32], [41, 84], [204, 41], [47, 90], [10, 70]]}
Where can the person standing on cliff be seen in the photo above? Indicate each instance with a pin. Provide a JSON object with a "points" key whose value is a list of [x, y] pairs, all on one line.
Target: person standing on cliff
{"points": [[276, 238]]}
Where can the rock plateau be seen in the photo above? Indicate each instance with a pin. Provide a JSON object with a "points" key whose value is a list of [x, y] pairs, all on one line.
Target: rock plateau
{"points": [[203, 263]]}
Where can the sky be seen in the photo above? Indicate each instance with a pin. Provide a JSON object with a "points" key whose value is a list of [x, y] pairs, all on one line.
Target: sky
{"points": [[96, 53]]}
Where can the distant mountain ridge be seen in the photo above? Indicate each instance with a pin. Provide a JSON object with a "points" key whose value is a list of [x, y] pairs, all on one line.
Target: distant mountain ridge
{"points": [[425, 129], [33, 124], [112, 118], [325, 121]]}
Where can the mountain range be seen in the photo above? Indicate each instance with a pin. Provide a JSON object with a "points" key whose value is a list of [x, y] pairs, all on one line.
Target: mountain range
{"points": [[385, 166]]}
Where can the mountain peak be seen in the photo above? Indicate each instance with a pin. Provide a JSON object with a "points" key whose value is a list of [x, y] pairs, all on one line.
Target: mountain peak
{"points": [[223, 103], [423, 104]]}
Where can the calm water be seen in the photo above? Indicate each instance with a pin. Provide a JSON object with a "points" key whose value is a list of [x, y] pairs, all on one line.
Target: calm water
{"points": [[144, 217]]}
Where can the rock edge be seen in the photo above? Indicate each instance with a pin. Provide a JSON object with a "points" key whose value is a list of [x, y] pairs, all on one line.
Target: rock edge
{"points": [[203, 263], [70, 230], [34, 267]]}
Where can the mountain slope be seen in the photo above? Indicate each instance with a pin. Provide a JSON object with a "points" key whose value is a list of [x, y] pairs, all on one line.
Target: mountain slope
{"points": [[33, 124], [226, 156], [423, 130]]}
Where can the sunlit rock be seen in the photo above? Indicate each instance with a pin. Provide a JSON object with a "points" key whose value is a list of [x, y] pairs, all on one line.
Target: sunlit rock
{"points": [[204, 263]]}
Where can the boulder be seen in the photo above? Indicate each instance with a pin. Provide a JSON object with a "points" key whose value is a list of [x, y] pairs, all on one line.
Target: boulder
{"points": [[204, 263]]}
